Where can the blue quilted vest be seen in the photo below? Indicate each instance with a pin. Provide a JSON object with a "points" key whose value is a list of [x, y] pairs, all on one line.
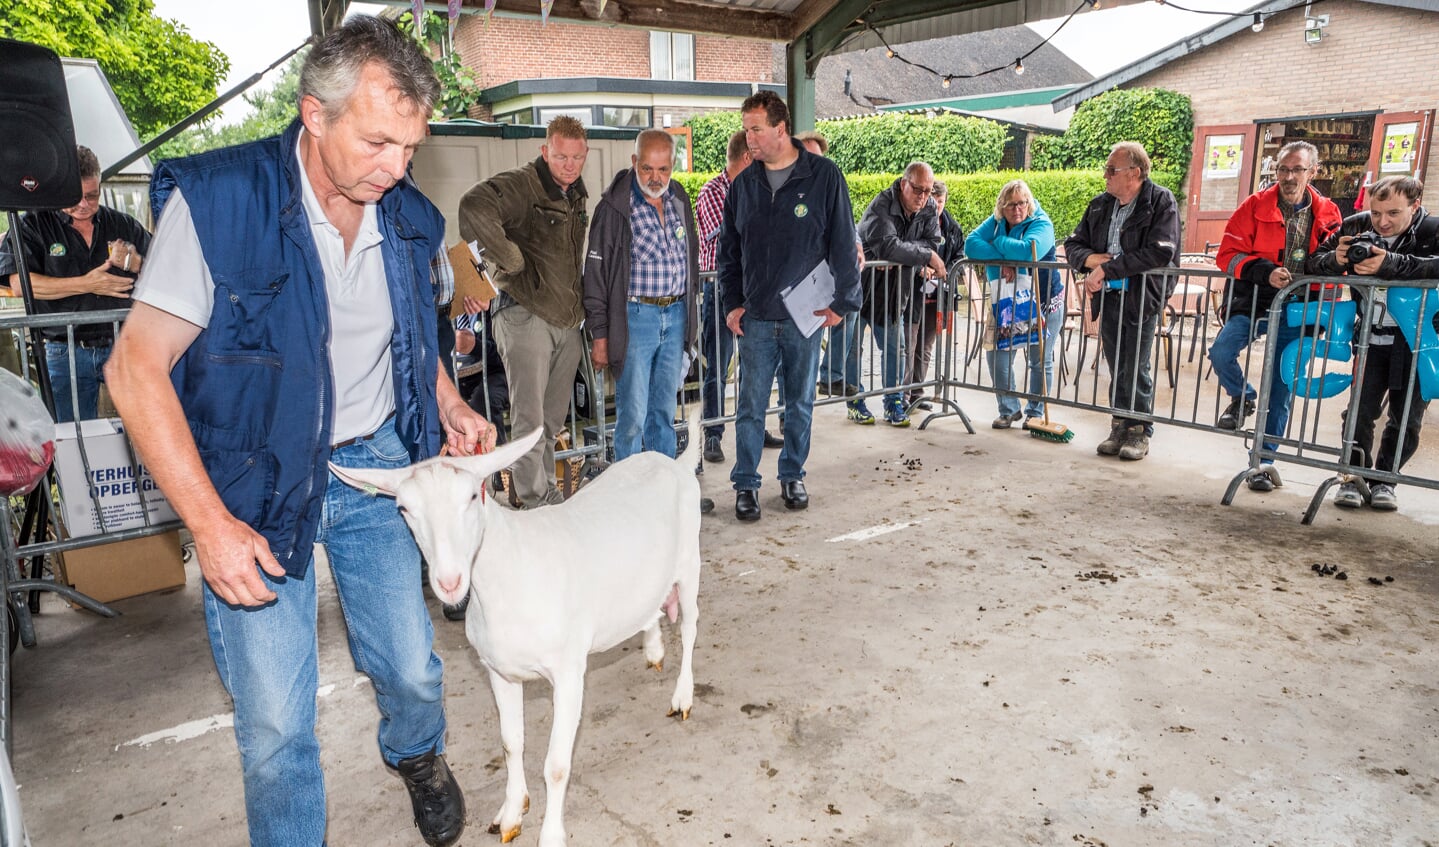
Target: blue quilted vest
{"points": [[256, 384]]}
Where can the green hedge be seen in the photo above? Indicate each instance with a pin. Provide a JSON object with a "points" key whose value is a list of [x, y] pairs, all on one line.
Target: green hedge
{"points": [[1063, 194], [875, 144], [1161, 120]]}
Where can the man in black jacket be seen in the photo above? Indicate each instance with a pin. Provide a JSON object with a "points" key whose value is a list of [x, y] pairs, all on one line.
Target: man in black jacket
{"points": [[786, 213], [924, 327], [901, 226], [1127, 233], [1410, 239]]}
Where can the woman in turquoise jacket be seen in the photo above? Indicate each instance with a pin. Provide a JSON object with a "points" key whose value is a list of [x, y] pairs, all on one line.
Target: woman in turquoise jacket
{"points": [[1018, 231]]}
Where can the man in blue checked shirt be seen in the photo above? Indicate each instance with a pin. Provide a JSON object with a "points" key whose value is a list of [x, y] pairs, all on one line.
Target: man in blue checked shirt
{"points": [[641, 279]]}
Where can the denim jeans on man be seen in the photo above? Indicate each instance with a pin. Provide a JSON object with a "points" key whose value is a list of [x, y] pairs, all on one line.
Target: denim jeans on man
{"points": [[268, 662], [768, 348], [841, 355], [717, 346], [89, 373], [891, 340], [1127, 340], [1001, 367], [1224, 354], [649, 382]]}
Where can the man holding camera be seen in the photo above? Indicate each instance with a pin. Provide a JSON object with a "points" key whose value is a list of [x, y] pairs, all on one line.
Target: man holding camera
{"points": [[1395, 239], [1265, 244]]}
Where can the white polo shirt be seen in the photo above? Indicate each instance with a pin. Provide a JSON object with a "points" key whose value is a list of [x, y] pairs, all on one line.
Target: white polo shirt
{"points": [[176, 279]]}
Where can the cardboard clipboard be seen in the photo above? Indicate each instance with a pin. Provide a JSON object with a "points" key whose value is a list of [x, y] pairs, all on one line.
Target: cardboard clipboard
{"points": [[470, 280]]}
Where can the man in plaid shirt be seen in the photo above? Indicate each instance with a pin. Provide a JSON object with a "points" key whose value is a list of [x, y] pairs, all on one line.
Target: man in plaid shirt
{"points": [[717, 340], [641, 282]]}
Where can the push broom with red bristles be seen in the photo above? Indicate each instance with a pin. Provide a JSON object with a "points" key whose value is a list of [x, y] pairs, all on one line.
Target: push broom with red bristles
{"points": [[1057, 432]]}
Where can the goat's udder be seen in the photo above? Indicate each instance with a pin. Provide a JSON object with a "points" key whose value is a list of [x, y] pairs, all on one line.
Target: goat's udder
{"points": [[672, 603]]}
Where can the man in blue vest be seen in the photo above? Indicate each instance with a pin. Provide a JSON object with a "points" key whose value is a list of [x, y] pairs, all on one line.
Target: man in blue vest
{"points": [[285, 319]]}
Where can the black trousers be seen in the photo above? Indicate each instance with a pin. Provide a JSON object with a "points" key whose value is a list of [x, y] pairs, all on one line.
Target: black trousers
{"points": [[1127, 341], [1386, 376]]}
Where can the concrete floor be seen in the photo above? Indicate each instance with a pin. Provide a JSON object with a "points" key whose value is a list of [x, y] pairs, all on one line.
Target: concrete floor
{"points": [[1035, 645]]}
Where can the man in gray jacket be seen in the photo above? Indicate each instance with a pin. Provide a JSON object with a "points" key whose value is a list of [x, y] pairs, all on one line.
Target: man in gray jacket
{"points": [[531, 222], [641, 282], [901, 225]]}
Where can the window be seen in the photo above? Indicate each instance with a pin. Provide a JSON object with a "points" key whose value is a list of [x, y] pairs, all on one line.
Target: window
{"points": [[583, 114], [672, 55], [521, 117], [625, 116]]}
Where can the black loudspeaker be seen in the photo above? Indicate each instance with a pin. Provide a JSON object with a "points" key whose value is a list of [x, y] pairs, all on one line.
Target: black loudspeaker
{"points": [[38, 165]]}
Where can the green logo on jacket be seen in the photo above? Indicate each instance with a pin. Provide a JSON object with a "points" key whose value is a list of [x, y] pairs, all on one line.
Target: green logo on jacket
{"points": [[57, 249], [801, 210]]}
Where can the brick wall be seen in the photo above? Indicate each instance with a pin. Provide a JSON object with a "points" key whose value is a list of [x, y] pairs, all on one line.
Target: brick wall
{"points": [[1372, 57], [510, 49]]}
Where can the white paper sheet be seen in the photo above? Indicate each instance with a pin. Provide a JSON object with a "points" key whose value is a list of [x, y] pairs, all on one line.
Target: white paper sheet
{"points": [[812, 294]]}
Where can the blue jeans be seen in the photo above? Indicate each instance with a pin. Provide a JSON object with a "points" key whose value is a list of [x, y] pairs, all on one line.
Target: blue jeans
{"points": [[841, 357], [89, 373], [649, 380], [891, 339], [1224, 354], [267, 656], [765, 349], [1001, 367], [717, 345]]}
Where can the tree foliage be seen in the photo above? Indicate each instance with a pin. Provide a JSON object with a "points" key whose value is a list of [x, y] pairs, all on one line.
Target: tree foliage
{"points": [[160, 72], [710, 134], [272, 110], [1063, 194], [459, 90], [1161, 120], [888, 143]]}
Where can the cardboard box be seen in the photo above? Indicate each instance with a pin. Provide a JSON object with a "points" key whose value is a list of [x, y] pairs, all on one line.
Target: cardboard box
{"points": [[112, 480], [123, 569]]}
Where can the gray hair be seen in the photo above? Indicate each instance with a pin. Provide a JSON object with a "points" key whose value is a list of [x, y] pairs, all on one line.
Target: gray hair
{"points": [[1300, 147], [941, 190], [1011, 189], [1138, 157], [332, 70], [918, 169], [655, 137]]}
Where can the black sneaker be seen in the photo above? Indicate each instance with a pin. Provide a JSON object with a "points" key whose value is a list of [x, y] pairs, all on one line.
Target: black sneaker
{"points": [[713, 451], [1232, 418], [439, 805]]}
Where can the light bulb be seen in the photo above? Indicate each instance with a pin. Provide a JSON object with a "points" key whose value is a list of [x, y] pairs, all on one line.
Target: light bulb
{"points": [[1258, 25], [1019, 67], [944, 83], [889, 54]]}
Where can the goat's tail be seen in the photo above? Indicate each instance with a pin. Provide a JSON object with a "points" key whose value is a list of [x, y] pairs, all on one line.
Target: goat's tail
{"points": [[691, 456]]}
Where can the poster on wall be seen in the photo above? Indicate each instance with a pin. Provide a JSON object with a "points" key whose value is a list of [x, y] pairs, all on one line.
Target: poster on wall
{"points": [[1397, 157], [1221, 158]]}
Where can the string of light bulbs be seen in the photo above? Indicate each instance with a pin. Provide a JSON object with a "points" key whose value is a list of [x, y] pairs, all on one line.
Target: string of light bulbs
{"points": [[1018, 64]]}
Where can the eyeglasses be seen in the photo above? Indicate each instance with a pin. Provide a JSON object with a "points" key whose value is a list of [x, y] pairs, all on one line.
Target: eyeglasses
{"points": [[1292, 171], [1019, 204], [921, 190], [1109, 171]]}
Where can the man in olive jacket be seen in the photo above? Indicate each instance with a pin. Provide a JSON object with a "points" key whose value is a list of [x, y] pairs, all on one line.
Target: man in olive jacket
{"points": [[531, 223], [1129, 231]]}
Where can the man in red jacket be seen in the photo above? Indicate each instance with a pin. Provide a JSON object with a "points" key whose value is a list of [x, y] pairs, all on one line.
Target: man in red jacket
{"points": [[1265, 244]]}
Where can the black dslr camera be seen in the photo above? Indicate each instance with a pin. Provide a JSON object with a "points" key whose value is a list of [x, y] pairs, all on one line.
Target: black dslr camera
{"points": [[1362, 246]]}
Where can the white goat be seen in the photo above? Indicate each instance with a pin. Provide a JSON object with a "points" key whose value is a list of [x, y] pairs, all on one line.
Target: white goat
{"points": [[550, 586]]}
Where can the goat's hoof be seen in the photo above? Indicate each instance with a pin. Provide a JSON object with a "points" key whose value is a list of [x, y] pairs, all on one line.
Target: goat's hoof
{"points": [[659, 666], [684, 715], [507, 837]]}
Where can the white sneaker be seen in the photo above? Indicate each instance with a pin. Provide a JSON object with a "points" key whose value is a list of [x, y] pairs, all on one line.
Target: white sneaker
{"points": [[1348, 496], [1382, 497]]}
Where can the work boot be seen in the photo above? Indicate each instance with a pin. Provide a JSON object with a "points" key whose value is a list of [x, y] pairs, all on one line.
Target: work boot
{"points": [[1110, 446], [1233, 416], [1136, 444], [434, 794]]}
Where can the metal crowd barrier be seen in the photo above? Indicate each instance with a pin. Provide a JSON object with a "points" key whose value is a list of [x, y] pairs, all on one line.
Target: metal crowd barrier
{"points": [[35, 532]]}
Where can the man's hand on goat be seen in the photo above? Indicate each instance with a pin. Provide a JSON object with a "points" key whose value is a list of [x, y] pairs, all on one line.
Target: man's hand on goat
{"points": [[227, 551]]}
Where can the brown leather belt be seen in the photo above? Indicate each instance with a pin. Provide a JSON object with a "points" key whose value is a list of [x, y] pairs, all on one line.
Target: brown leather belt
{"points": [[658, 301], [350, 442]]}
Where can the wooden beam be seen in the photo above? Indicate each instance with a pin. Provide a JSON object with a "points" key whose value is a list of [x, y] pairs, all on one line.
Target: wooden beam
{"points": [[809, 13], [672, 15]]}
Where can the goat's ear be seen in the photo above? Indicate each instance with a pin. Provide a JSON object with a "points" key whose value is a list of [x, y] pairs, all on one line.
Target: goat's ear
{"points": [[372, 480], [497, 459]]}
